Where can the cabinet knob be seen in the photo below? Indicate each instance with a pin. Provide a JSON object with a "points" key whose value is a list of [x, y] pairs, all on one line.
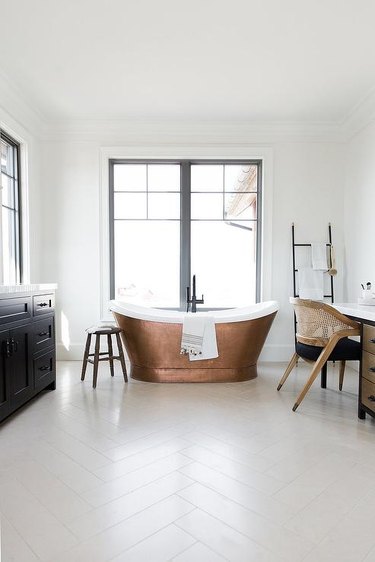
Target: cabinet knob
{"points": [[372, 369], [8, 352], [46, 368], [371, 398], [43, 334], [372, 340], [13, 346], [42, 304]]}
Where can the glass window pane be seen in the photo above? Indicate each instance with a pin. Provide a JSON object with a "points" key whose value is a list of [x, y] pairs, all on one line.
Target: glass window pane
{"points": [[129, 177], [206, 206], [7, 152], [9, 247], [208, 177], [164, 177], [8, 191], [147, 255], [240, 206], [130, 205], [240, 178], [223, 259], [164, 206]]}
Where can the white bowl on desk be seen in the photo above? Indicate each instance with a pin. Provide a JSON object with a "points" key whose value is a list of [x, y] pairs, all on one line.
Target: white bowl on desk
{"points": [[367, 301]]}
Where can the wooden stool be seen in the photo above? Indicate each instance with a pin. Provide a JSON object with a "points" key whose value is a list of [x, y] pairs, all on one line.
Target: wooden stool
{"points": [[98, 331]]}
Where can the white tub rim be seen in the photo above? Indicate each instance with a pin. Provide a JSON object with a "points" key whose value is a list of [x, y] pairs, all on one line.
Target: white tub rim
{"points": [[240, 314]]}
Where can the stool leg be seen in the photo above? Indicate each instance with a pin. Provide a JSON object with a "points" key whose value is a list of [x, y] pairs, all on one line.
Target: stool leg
{"points": [[96, 360], [86, 356], [122, 358], [110, 354]]}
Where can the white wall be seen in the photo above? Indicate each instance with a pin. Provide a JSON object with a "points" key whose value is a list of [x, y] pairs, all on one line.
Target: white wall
{"points": [[359, 211], [307, 180], [308, 191], [71, 247]]}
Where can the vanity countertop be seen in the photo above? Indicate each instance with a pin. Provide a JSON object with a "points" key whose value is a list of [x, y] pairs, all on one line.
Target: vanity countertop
{"points": [[356, 310], [6, 290]]}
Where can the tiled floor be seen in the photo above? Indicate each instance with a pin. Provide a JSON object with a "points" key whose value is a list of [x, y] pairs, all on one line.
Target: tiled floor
{"points": [[188, 473]]}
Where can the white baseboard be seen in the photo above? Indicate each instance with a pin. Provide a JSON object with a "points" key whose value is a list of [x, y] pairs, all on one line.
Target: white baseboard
{"points": [[74, 353], [275, 353]]}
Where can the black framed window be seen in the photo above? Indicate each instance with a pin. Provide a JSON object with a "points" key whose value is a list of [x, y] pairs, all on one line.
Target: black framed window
{"points": [[172, 219], [10, 211]]}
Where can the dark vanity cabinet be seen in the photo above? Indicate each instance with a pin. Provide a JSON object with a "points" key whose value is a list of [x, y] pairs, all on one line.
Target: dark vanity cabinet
{"points": [[27, 348]]}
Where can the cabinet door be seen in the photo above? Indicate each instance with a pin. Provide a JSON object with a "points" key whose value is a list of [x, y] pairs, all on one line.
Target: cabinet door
{"points": [[21, 372], [4, 375]]}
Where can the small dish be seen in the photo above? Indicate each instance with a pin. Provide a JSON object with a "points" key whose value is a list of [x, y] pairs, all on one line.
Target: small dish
{"points": [[366, 302]]}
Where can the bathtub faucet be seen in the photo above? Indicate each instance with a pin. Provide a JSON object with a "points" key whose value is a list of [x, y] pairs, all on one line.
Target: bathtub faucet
{"points": [[193, 300]]}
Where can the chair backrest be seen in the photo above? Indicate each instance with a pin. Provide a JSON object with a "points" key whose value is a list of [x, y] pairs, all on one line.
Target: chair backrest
{"points": [[317, 322]]}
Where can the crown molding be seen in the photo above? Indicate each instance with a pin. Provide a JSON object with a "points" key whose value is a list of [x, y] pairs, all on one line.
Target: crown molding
{"points": [[13, 105], [197, 132], [361, 115]]}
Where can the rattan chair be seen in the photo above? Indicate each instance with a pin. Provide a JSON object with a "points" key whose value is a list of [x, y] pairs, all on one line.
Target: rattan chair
{"points": [[322, 335]]}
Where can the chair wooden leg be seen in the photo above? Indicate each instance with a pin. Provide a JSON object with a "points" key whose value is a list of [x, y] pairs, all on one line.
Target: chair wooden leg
{"points": [[121, 356], [321, 361], [341, 375], [288, 370], [96, 360], [110, 354], [86, 356]]}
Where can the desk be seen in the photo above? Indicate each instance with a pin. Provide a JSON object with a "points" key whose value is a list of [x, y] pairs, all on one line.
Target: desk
{"points": [[366, 316]]}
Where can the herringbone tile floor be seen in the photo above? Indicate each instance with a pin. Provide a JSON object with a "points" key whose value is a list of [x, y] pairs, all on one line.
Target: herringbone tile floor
{"points": [[188, 473]]}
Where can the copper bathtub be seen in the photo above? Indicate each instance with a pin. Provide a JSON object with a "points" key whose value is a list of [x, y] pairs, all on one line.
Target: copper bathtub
{"points": [[152, 339]]}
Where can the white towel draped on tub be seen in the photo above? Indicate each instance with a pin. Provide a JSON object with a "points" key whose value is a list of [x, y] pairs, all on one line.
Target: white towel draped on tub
{"points": [[310, 284], [319, 255], [199, 337]]}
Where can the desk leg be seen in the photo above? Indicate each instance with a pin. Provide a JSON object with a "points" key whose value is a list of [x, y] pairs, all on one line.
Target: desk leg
{"points": [[323, 377], [361, 413]]}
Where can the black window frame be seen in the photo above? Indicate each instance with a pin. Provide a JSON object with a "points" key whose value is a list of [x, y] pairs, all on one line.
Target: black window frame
{"points": [[185, 216], [17, 209]]}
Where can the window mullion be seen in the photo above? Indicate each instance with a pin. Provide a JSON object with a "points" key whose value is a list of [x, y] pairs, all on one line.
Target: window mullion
{"points": [[185, 250], [111, 232]]}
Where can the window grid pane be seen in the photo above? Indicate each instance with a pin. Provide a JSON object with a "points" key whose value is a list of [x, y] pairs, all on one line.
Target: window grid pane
{"points": [[146, 214], [10, 227]]}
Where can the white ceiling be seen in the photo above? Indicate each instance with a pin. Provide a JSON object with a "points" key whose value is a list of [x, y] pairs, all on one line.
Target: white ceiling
{"points": [[258, 60]]}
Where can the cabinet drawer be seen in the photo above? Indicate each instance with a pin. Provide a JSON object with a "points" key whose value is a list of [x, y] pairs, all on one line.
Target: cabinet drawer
{"points": [[43, 335], [368, 338], [44, 370], [368, 394], [15, 309], [43, 304]]}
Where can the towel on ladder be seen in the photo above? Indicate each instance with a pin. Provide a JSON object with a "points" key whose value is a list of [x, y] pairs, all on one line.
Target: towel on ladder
{"points": [[199, 337], [310, 283], [319, 255]]}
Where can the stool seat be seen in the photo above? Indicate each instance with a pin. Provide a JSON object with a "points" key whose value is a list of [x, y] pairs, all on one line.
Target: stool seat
{"points": [[108, 330], [103, 329]]}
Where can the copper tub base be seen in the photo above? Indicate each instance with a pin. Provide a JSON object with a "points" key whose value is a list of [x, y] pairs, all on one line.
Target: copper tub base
{"points": [[193, 375], [153, 349]]}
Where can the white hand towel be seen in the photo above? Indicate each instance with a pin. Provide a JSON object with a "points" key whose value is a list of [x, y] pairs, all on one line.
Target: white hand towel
{"points": [[310, 284], [209, 344], [199, 337], [192, 334], [319, 255]]}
